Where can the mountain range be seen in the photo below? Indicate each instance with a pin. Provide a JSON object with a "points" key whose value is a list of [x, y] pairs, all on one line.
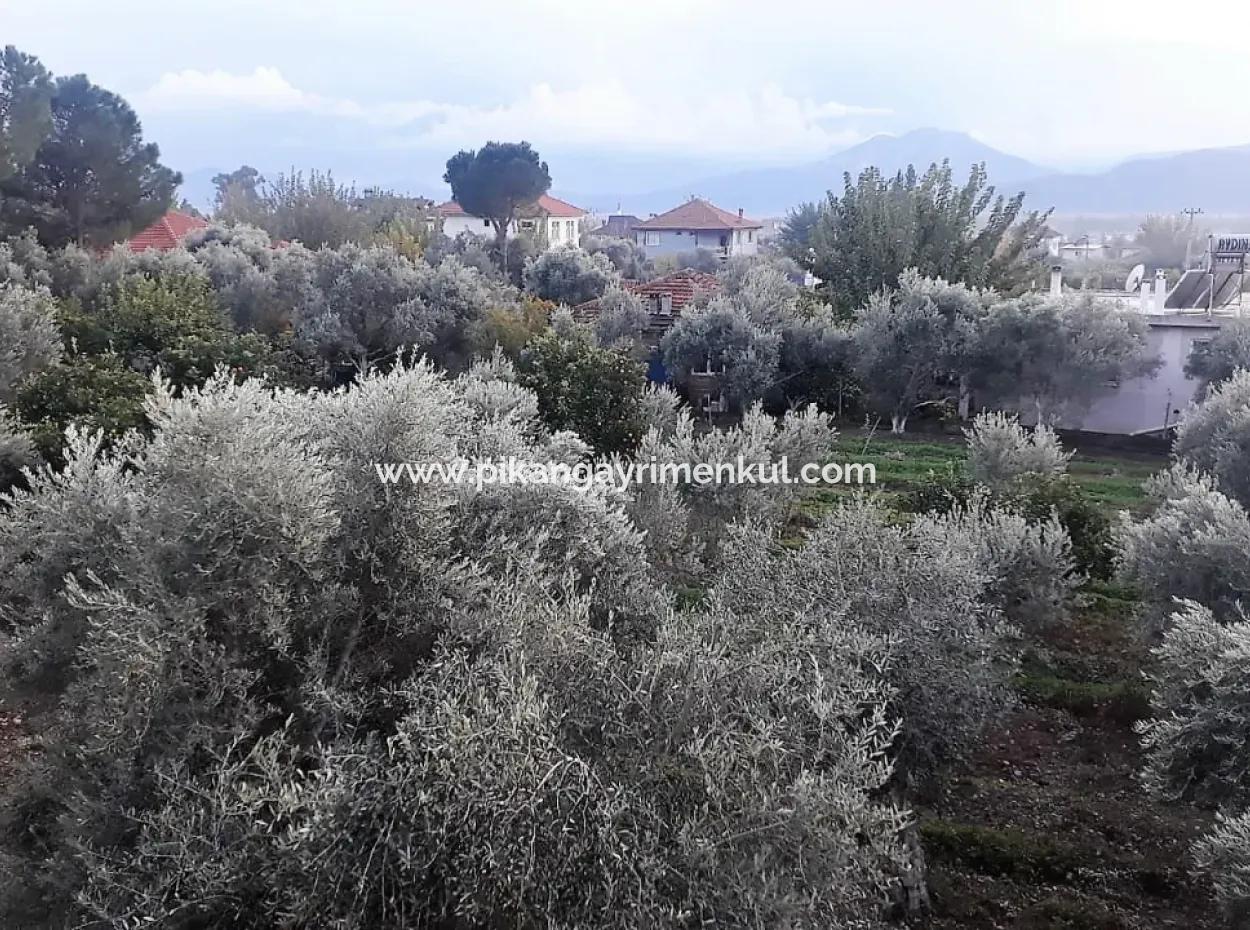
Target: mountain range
{"points": [[1218, 180]]}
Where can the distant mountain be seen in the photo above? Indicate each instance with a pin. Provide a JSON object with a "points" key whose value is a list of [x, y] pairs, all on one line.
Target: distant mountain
{"points": [[774, 191], [1217, 180]]}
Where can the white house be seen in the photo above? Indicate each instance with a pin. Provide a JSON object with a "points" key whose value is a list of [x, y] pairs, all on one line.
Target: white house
{"points": [[548, 219], [697, 224]]}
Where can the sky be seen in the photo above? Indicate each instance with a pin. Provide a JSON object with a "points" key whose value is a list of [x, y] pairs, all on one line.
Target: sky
{"points": [[642, 92]]}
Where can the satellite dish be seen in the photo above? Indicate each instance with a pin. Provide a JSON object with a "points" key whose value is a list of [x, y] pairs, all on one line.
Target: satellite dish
{"points": [[1133, 283]]}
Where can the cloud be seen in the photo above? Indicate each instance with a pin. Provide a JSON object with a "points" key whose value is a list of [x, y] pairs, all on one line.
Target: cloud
{"points": [[761, 122]]}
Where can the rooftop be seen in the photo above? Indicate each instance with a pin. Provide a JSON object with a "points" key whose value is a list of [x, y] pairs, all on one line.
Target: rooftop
{"points": [[166, 233], [553, 206], [699, 214]]}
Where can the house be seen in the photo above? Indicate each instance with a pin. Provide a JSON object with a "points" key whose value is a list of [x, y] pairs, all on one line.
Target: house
{"points": [[618, 226], [1083, 250], [697, 224], [664, 299], [166, 233], [548, 219], [1153, 405]]}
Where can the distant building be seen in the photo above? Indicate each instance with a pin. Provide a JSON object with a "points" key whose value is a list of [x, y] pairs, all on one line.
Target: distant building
{"points": [[697, 224], [618, 226], [1153, 405], [664, 299], [549, 219], [166, 233]]}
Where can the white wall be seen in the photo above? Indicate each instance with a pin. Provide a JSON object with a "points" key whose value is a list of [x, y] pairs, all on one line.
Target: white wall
{"points": [[658, 242], [559, 230], [1143, 404]]}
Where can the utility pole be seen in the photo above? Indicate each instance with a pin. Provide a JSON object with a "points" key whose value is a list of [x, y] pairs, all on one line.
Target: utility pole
{"points": [[1190, 212]]}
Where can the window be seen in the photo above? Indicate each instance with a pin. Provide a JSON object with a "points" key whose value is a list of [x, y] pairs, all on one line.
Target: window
{"points": [[650, 237], [750, 235], [568, 228], [486, 223]]}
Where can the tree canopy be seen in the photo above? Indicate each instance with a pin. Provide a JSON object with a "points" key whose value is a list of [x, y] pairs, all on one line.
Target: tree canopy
{"points": [[91, 178], [493, 182], [861, 241], [25, 109]]}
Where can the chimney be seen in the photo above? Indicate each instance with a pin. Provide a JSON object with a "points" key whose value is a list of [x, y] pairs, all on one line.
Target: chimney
{"points": [[1146, 302], [1056, 280], [739, 213], [1161, 290]]}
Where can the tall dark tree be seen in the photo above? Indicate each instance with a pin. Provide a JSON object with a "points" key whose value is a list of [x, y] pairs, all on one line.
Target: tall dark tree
{"points": [[495, 181], [237, 196], [861, 241], [25, 109], [92, 178]]}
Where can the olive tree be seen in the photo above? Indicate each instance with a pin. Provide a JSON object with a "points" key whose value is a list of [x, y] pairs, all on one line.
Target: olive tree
{"points": [[29, 338], [1214, 436], [284, 690], [569, 275]]}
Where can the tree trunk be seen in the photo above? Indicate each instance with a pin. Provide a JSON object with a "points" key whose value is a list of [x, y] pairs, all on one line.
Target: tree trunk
{"points": [[965, 397], [898, 423], [501, 242], [915, 880]]}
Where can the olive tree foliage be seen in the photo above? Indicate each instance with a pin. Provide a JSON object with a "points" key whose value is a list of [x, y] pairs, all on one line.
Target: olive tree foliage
{"points": [[29, 338], [721, 339], [1001, 451], [1046, 356], [1201, 699], [1195, 744], [569, 275], [922, 588], [1032, 576], [289, 692], [1191, 546], [1225, 853], [911, 343], [1214, 436], [683, 520], [621, 317], [1215, 361], [627, 256]]}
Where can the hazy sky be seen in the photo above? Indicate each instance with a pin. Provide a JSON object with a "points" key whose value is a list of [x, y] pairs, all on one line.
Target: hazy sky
{"points": [[701, 82]]}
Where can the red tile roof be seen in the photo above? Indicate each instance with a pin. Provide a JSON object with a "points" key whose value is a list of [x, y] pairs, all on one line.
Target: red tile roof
{"points": [[552, 206], [699, 214], [166, 233], [683, 286]]}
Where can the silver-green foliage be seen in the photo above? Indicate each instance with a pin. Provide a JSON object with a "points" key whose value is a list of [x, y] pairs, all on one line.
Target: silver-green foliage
{"points": [[1032, 576], [1225, 853], [289, 693], [29, 338], [1193, 545], [922, 588], [1001, 451], [1214, 436]]}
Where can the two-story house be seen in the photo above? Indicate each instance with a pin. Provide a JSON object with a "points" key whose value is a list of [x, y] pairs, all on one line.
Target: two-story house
{"points": [[697, 224], [549, 220]]}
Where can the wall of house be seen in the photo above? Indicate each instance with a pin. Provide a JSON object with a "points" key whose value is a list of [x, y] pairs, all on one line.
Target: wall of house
{"points": [[558, 230], [657, 242], [1156, 403], [562, 230]]}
